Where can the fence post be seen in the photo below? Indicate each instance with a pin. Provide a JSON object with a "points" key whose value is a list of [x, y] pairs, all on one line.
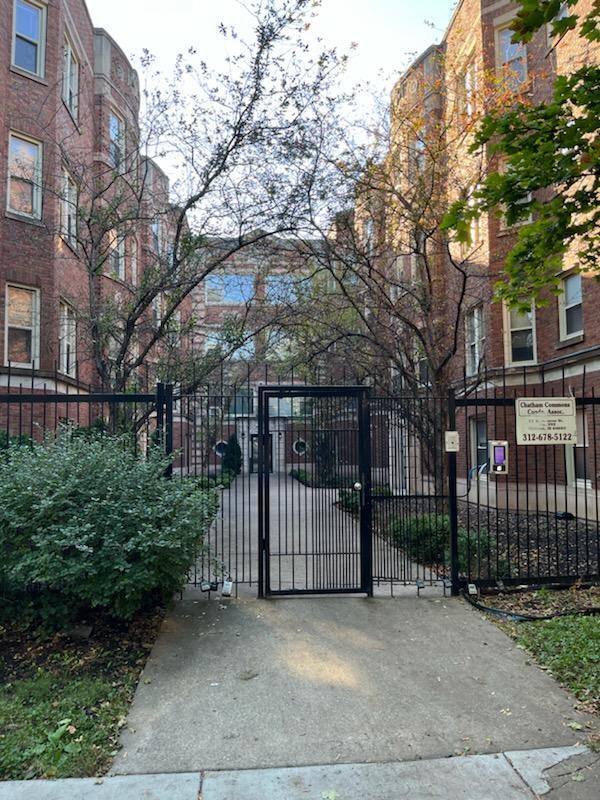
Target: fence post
{"points": [[453, 499], [169, 427], [160, 413]]}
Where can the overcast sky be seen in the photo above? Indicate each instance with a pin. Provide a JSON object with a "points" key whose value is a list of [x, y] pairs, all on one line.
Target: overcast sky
{"points": [[387, 31]]}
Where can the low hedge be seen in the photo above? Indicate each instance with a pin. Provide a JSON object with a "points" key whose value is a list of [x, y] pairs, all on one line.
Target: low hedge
{"points": [[426, 539], [86, 524]]}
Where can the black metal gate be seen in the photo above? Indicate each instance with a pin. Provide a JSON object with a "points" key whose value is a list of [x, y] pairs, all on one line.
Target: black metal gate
{"points": [[307, 543]]}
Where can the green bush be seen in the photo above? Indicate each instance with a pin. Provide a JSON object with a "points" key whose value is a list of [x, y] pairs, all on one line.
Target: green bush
{"points": [[84, 523], [302, 476], [426, 539]]}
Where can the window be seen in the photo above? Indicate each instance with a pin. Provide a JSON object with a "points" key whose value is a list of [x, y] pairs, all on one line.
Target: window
{"points": [[68, 210], [417, 154], [241, 404], [22, 335], [229, 289], [474, 339], [70, 79], [157, 310], [117, 256], [280, 289], [156, 235], [174, 330], [570, 307], [67, 341], [29, 41], [479, 444], [134, 261], [511, 58], [521, 336], [467, 88], [117, 139], [24, 178]]}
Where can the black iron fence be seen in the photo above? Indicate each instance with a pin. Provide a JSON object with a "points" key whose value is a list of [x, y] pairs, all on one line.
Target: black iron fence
{"points": [[434, 518]]}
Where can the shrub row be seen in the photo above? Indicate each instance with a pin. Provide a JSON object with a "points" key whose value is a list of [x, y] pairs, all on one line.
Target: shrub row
{"points": [[86, 524], [426, 539]]}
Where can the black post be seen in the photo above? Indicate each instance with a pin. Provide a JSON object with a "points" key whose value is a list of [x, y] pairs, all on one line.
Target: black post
{"points": [[160, 414], [366, 508], [453, 500], [169, 428], [261, 498]]}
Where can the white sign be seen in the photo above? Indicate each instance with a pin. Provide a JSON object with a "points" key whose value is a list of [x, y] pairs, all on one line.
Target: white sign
{"points": [[546, 420], [452, 442]]}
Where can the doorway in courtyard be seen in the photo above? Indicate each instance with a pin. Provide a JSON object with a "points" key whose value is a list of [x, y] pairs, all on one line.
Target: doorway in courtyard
{"points": [[308, 544]]}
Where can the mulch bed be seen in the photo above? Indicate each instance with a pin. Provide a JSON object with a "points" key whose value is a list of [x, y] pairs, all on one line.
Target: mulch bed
{"points": [[111, 647]]}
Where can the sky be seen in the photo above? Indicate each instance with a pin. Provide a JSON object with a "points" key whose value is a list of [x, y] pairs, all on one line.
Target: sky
{"points": [[389, 33]]}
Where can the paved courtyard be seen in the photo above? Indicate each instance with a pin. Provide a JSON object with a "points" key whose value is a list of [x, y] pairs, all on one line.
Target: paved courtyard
{"points": [[256, 684]]}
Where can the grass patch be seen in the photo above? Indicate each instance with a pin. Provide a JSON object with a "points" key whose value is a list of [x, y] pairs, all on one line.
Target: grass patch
{"points": [[569, 647], [63, 702]]}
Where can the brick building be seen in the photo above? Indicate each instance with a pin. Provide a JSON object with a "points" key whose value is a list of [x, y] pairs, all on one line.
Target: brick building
{"points": [[468, 340], [69, 155]]}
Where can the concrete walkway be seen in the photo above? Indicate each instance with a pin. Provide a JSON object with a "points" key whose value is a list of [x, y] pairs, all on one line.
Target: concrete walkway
{"points": [[522, 775], [302, 682]]}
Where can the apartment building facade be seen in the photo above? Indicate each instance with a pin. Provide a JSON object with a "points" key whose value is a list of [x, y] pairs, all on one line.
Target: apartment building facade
{"points": [[490, 350], [83, 214]]}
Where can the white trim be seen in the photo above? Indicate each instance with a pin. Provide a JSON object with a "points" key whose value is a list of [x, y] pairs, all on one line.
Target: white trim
{"points": [[67, 331], [36, 180], [508, 329], [478, 340], [563, 308], [121, 142], [35, 328], [40, 71], [70, 52], [503, 67], [69, 234]]}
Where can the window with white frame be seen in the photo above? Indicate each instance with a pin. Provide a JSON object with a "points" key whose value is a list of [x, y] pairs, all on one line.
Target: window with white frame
{"points": [[116, 139], [570, 307], [29, 37], [157, 310], [133, 255], [70, 78], [117, 255], [22, 326], [511, 58], [474, 339], [479, 444], [520, 336], [24, 176], [467, 90], [68, 209], [156, 229], [67, 341]]}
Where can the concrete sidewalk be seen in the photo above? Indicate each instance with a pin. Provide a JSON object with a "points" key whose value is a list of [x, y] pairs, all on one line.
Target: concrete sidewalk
{"points": [[333, 680], [552, 773]]}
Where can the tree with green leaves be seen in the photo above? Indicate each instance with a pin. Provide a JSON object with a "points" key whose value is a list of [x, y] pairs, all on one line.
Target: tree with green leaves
{"points": [[549, 181]]}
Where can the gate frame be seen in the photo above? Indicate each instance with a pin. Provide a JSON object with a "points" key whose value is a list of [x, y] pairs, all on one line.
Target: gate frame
{"points": [[362, 395]]}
